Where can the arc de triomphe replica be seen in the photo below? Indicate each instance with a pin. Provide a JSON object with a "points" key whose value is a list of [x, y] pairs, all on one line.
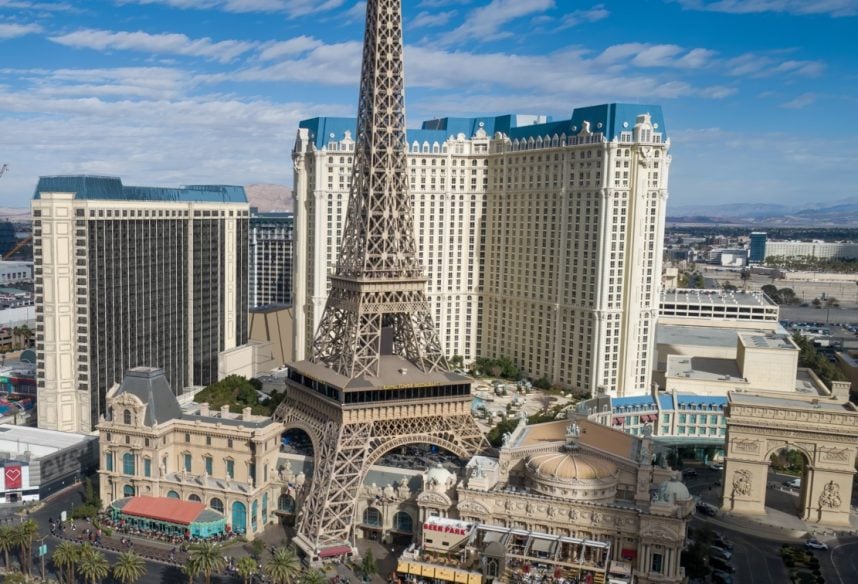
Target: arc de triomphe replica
{"points": [[825, 432]]}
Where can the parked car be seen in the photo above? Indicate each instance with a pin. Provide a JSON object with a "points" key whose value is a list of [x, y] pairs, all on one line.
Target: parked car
{"points": [[719, 552], [721, 541], [716, 466], [815, 544], [793, 483], [720, 565], [719, 577], [707, 509]]}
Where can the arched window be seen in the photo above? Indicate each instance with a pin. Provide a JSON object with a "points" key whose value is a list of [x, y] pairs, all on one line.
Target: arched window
{"points": [[194, 498], [173, 495], [126, 417], [239, 517], [127, 491], [372, 517], [216, 504], [403, 522], [254, 509], [128, 464], [264, 508]]}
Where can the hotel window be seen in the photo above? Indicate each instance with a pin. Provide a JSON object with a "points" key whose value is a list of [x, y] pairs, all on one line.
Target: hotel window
{"points": [[208, 464], [230, 469], [108, 461], [147, 467], [187, 462]]}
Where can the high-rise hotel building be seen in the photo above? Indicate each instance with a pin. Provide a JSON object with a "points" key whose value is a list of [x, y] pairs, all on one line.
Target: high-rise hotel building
{"points": [[271, 253], [133, 276], [541, 240]]}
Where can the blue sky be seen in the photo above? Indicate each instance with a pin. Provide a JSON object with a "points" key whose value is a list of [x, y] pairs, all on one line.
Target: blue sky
{"points": [[759, 96]]}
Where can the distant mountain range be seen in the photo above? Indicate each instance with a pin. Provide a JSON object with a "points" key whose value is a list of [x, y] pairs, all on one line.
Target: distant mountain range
{"points": [[267, 197], [833, 213]]}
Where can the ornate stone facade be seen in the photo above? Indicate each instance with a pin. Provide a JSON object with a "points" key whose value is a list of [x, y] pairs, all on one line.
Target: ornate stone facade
{"points": [[825, 432], [148, 446]]}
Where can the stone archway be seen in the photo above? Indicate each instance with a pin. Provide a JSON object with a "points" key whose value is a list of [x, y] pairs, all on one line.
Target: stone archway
{"points": [[826, 433]]}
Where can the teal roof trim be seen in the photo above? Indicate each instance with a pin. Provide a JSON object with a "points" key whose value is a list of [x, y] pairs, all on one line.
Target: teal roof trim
{"points": [[609, 119], [110, 188]]}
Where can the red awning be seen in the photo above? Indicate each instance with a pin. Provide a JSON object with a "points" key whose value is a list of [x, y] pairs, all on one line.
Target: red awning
{"points": [[332, 552], [618, 421], [164, 509]]}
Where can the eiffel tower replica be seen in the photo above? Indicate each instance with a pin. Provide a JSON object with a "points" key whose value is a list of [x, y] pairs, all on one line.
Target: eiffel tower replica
{"points": [[377, 378]]}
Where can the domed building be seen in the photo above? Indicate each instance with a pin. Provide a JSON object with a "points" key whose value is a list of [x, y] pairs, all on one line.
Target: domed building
{"points": [[572, 475]]}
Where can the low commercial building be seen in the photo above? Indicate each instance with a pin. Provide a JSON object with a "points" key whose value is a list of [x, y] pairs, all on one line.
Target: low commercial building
{"points": [[691, 307], [37, 463], [15, 272], [821, 250], [150, 447]]}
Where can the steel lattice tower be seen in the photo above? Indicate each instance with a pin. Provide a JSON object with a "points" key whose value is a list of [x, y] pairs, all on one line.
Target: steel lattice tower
{"points": [[378, 377]]}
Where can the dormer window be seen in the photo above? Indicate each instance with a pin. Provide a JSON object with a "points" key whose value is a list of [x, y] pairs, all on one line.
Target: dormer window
{"points": [[126, 417]]}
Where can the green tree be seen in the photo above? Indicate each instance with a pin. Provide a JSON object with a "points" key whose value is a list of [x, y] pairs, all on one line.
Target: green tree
{"points": [[368, 565], [313, 577], [246, 567], [65, 557], [283, 567], [208, 557], [256, 548], [191, 569], [24, 534], [236, 392], [129, 568], [7, 542], [92, 564]]}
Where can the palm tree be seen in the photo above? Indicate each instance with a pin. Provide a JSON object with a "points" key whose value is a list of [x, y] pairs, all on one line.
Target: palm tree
{"points": [[92, 564], [208, 557], [65, 557], [7, 542], [129, 568], [313, 577], [283, 566], [191, 569], [24, 534], [246, 567]]}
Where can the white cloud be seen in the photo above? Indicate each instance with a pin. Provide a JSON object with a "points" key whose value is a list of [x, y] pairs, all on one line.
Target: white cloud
{"points": [[170, 43], [293, 46], [12, 30], [577, 17], [758, 65], [431, 19], [835, 8], [486, 22], [37, 6], [800, 102], [647, 55], [291, 7]]}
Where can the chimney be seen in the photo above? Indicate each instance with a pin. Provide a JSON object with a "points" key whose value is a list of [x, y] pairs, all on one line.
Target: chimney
{"points": [[204, 409], [224, 411], [245, 414]]}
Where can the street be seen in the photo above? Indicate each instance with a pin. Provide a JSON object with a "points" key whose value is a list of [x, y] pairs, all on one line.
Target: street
{"points": [[756, 556]]}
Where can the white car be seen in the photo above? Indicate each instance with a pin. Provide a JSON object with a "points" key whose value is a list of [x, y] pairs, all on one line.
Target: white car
{"points": [[716, 466], [815, 544]]}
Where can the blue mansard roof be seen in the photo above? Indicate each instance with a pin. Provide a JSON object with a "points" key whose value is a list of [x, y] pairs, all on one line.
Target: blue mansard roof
{"points": [[111, 188], [609, 119]]}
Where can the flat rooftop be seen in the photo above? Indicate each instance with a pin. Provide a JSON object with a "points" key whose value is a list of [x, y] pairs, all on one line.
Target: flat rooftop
{"points": [[705, 336], [780, 402], [19, 440], [703, 369], [717, 298], [771, 341], [393, 372]]}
